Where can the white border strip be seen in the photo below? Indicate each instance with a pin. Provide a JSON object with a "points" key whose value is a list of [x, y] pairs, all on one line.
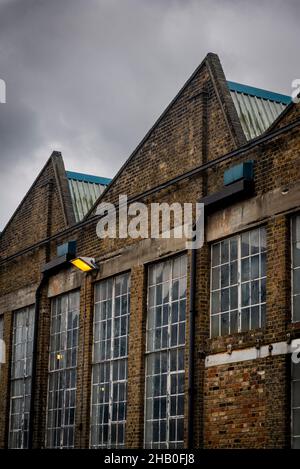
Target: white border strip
{"points": [[252, 353]]}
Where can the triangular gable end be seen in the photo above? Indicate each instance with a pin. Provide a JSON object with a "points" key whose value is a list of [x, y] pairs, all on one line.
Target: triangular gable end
{"points": [[45, 209], [202, 115], [288, 116]]}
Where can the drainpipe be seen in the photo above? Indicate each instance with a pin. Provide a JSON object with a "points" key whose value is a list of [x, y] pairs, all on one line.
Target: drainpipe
{"points": [[34, 357], [191, 350], [204, 122]]}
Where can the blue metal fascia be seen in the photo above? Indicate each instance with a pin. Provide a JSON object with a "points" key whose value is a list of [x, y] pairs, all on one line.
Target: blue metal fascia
{"points": [[87, 178], [259, 93]]}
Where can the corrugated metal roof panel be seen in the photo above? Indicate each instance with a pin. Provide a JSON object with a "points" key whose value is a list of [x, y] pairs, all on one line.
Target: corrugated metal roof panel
{"points": [[257, 109], [85, 190]]}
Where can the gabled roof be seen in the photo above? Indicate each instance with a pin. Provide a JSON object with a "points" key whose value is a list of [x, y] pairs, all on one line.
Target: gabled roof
{"points": [[232, 123], [85, 190], [257, 108]]}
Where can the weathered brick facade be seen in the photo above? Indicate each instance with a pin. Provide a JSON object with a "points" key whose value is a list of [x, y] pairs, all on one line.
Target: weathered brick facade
{"points": [[241, 404]]}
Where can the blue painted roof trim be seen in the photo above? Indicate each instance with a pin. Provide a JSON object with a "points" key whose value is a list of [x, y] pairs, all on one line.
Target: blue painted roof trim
{"points": [[259, 93], [87, 178]]}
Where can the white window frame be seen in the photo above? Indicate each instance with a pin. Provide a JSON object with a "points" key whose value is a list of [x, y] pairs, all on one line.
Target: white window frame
{"points": [[108, 364], [294, 219], [168, 349], [2, 338], [261, 305], [294, 437]]}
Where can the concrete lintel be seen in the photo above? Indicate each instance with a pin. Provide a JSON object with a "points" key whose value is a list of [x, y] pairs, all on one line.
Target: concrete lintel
{"points": [[246, 213], [64, 281], [18, 299], [143, 252]]}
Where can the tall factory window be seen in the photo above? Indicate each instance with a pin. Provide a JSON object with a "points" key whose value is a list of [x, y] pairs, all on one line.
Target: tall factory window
{"points": [[109, 371], [164, 395], [2, 346], [238, 283], [296, 268], [20, 377], [61, 404], [296, 405]]}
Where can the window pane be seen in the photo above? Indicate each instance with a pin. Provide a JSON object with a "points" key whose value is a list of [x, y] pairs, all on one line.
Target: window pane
{"points": [[296, 308], [233, 273], [233, 248], [296, 282], [233, 322], [296, 393], [255, 317], [254, 241], [245, 316], [224, 251], [225, 324], [296, 254], [215, 308], [216, 254], [215, 326], [296, 422], [224, 275], [245, 244], [1, 338]]}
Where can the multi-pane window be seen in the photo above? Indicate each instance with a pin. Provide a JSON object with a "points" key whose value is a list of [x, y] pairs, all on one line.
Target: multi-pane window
{"points": [[109, 372], [296, 268], [238, 283], [2, 349], [164, 395], [61, 403], [20, 378], [296, 405]]}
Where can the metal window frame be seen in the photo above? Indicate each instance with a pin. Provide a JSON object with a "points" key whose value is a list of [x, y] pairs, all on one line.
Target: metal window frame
{"points": [[110, 361], [292, 221], [167, 350], [1, 335], [238, 284], [59, 372], [27, 311], [293, 408]]}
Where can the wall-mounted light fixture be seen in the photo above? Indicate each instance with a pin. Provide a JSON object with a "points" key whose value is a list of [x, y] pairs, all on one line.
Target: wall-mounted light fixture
{"points": [[85, 264]]}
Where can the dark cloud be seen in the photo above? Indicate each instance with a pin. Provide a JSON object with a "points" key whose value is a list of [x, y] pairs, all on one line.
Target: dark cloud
{"points": [[89, 77]]}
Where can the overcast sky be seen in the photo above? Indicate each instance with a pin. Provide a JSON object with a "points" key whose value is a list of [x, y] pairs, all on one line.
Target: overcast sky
{"points": [[89, 77]]}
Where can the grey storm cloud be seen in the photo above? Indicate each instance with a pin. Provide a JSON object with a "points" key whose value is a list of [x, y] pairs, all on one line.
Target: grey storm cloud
{"points": [[89, 77]]}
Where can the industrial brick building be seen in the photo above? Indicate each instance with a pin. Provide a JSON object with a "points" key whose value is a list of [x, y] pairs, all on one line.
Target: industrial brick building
{"points": [[162, 347]]}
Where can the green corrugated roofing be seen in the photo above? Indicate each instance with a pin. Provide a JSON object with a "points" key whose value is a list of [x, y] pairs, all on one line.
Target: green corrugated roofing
{"points": [[257, 109], [85, 190]]}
